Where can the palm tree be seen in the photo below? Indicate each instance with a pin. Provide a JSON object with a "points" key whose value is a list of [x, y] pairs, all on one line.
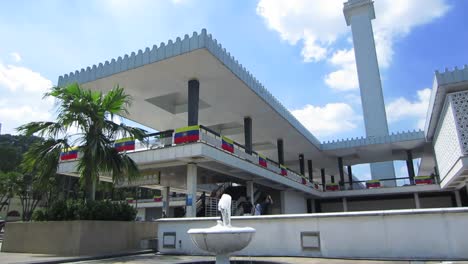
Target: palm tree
{"points": [[90, 113]]}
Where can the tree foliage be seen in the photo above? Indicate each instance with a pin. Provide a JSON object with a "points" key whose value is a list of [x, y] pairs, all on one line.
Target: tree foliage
{"points": [[7, 187], [89, 114], [91, 210]]}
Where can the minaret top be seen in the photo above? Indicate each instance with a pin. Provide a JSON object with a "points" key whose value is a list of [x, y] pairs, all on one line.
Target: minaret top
{"points": [[355, 7]]}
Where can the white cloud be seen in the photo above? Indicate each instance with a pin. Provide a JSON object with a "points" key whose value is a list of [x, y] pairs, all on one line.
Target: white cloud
{"points": [[330, 119], [403, 109], [345, 78], [15, 56], [15, 78], [319, 23], [22, 90]]}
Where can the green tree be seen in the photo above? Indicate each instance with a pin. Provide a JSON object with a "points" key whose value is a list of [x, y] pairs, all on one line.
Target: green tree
{"points": [[7, 187], [12, 148], [90, 113]]}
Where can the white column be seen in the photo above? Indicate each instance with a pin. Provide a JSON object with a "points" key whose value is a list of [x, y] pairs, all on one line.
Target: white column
{"points": [[166, 198], [312, 205], [457, 198], [345, 204], [358, 15], [191, 206], [293, 203], [417, 203], [250, 191]]}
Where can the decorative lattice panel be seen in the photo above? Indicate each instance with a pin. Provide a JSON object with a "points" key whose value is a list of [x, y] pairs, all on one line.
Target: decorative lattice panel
{"points": [[460, 109], [446, 143]]}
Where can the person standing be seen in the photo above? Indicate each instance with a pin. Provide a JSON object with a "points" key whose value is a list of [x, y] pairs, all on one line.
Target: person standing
{"points": [[262, 208]]}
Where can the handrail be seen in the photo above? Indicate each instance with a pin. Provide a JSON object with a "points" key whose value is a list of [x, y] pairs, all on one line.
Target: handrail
{"points": [[158, 133], [292, 175]]}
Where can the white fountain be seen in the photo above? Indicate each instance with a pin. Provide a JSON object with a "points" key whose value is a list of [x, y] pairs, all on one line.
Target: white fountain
{"points": [[222, 239]]}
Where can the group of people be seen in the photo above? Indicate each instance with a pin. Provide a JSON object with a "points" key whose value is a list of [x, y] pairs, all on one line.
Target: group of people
{"points": [[259, 209]]}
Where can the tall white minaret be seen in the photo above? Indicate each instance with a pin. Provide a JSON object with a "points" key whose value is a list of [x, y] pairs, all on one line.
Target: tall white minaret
{"points": [[358, 15]]}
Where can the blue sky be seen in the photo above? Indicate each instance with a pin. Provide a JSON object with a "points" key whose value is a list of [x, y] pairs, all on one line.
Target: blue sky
{"points": [[301, 50]]}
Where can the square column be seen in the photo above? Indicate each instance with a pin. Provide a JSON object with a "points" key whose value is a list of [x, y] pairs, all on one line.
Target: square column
{"points": [[293, 203], [322, 172], [301, 164], [345, 204], [350, 177], [417, 203], [279, 144], [341, 171], [248, 134], [311, 171], [193, 100], [191, 201], [250, 191], [410, 166], [458, 201], [166, 198]]}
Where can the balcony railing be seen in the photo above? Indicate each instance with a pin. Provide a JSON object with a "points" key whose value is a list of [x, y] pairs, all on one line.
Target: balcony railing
{"points": [[167, 138]]}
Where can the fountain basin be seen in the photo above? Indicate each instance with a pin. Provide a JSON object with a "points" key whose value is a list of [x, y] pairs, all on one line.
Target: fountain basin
{"points": [[221, 240]]}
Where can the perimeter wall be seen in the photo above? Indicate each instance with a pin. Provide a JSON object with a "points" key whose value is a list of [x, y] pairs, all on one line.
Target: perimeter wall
{"points": [[395, 234]]}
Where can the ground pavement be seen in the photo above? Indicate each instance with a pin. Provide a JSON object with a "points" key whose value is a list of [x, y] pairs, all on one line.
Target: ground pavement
{"points": [[160, 259]]}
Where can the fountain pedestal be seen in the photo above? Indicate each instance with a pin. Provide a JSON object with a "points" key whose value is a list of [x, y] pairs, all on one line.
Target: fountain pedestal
{"points": [[223, 238]]}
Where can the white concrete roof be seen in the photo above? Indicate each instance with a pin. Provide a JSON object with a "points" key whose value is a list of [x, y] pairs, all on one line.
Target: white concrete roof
{"points": [[157, 80]]}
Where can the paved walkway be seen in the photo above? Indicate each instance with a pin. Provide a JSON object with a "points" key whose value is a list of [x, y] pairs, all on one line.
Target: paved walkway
{"points": [[23, 258], [159, 259]]}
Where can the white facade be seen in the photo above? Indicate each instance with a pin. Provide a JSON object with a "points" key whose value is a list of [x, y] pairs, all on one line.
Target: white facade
{"points": [[451, 140]]}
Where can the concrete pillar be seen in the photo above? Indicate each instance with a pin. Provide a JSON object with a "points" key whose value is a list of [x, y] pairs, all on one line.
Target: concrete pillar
{"points": [[345, 204], [312, 206], [322, 174], [248, 134], [410, 166], [350, 177], [341, 171], [191, 202], [280, 151], [458, 201], [250, 191], [166, 198], [193, 99], [358, 15], [293, 203], [417, 203], [301, 164], [311, 170]]}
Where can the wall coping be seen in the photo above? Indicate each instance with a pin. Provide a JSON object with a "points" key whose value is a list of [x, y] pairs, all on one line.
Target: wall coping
{"points": [[326, 215]]}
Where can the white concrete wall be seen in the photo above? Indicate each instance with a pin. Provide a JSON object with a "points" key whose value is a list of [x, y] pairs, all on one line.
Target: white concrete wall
{"points": [[413, 234], [293, 203]]}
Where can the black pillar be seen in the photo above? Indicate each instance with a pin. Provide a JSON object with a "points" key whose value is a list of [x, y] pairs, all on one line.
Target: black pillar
{"points": [[193, 98], [301, 164], [340, 169], [280, 151], [311, 172], [332, 179], [248, 134], [322, 172], [350, 177], [409, 165]]}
